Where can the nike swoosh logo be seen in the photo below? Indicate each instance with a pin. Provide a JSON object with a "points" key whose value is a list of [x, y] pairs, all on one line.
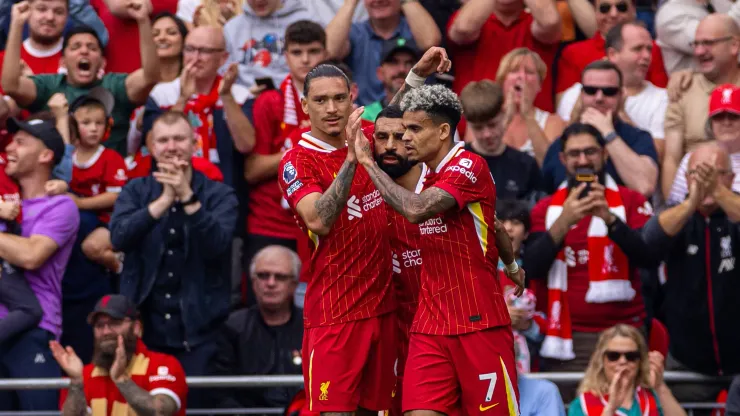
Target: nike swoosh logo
{"points": [[483, 409]]}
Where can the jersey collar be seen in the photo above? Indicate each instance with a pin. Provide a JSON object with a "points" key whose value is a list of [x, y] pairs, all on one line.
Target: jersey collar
{"points": [[310, 142], [424, 173], [90, 161], [456, 149]]}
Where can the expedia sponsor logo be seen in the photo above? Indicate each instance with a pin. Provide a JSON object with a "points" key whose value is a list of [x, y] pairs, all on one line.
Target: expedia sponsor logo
{"points": [[412, 258], [433, 226], [463, 170]]}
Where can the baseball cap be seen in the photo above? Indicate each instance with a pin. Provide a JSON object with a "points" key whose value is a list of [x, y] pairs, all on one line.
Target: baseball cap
{"points": [[42, 129], [97, 95], [399, 44], [115, 306], [724, 99]]}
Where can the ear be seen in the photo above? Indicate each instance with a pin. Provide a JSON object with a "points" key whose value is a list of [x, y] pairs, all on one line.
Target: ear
{"points": [[138, 329], [46, 156], [610, 53], [445, 131], [304, 105], [354, 92]]}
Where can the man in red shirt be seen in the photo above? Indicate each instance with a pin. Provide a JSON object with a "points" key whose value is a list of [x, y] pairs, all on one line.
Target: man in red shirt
{"points": [[124, 376], [483, 31], [576, 56], [461, 343]]}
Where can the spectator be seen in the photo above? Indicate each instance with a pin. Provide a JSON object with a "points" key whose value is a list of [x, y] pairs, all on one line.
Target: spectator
{"points": [[724, 127], [716, 48], [124, 375], [675, 27], [579, 19], [632, 158], [361, 44], [628, 46], [215, 12], [623, 378], [215, 106], [176, 227], [48, 227], [125, 51], [537, 397], [531, 130], [483, 31], [589, 221], [259, 51], [265, 339], [516, 173], [82, 55], [396, 60], [698, 240], [577, 56]]}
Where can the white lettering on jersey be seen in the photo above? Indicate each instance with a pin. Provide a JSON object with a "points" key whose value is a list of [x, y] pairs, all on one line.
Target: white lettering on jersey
{"points": [[433, 226], [467, 173], [353, 208], [412, 258]]}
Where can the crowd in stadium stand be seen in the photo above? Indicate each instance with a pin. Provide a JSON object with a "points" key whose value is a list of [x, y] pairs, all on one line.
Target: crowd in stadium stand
{"points": [[610, 127]]}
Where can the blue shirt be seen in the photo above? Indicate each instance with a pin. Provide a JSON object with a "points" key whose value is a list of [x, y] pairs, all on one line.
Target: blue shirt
{"points": [[364, 58], [539, 397], [638, 140]]}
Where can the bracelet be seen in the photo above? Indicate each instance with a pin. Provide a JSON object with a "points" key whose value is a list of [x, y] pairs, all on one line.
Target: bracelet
{"points": [[512, 268], [414, 80]]}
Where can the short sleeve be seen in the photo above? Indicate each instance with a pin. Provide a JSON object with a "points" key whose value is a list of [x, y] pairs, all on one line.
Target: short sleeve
{"points": [[538, 216], [115, 173], [60, 221], [639, 210], [46, 86], [298, 176], [680, 187], [465, 180], [169, 380]]}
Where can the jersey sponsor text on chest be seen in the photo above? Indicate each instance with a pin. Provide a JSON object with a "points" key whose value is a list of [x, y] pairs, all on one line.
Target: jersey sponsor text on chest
{"points": [[433, 226], [412, 258]]}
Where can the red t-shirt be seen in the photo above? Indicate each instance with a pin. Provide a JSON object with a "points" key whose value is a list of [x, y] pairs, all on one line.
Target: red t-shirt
{"points": [[122, 53], [40, 62], [141, 165], [595, 317], [576, 56], [9, 190], [154, 372], [104, 172], [480, 59], [460, 292], [350, 268]]}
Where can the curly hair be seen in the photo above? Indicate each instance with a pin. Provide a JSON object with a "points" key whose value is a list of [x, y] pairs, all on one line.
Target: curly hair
{"points": [[439, 102]]}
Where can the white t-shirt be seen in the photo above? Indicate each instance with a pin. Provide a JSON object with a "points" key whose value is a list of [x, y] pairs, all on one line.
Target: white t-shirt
{"points": [[186, 9], [647, 109]]}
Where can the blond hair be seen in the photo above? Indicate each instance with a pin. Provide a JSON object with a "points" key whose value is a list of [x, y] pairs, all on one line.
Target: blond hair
{"points": [[514, 58], [594, 380]]}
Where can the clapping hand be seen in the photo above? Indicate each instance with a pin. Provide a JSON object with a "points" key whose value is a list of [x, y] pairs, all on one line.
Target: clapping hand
{"points": [[68, 360], [619, 389], [120, 364], [357, 144], [230, 76], [657, 368]]}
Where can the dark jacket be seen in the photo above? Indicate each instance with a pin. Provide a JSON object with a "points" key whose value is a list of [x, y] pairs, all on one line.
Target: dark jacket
{"points": [[209, 232], [247, 346], [701, 306]]}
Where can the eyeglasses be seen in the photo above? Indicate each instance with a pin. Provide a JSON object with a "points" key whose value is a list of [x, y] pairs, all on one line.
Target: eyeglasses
{"points": [[588, 152], [630, 356], [621, 7], [280, 277], [708, 43], [607, 91], [203, 50]]}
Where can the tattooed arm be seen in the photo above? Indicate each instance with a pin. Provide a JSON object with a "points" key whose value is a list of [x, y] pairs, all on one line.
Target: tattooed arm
{"points": [[401, 92], [75, 404], [319, 211], [143, 403]]}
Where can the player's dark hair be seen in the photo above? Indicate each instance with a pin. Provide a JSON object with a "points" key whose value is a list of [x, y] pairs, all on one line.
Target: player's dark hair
{"points": [[343, 67], [324, 71], [80, 30], [391, 111], [603, 65], [581, 128], [439, 102], [304, 32], [513, 210]]}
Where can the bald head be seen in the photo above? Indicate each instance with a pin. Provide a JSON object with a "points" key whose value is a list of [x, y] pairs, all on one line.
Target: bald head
{"points": [[205, 52], [212, 35], [716, 46], [711, 154]]}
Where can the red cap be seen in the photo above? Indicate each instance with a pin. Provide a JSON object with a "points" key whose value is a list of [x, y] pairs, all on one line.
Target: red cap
{"points": [[725, 99]]}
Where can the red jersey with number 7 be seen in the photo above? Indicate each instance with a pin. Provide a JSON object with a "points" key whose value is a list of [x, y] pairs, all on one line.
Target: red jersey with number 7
{"points": [[350, 267], [460, 292]]}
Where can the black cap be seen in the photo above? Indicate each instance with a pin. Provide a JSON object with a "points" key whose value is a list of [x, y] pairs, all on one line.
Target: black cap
{"points": [[399, 44], [98, 95], [44, 130], [115, 306]]}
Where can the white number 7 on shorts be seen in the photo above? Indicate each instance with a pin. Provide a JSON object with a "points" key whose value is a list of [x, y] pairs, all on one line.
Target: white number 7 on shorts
{"points": [[492, 377]]}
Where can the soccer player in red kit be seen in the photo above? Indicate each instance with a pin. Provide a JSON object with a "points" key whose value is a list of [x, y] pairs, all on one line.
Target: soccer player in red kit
{"points": [[349, 340], [461, 352]]}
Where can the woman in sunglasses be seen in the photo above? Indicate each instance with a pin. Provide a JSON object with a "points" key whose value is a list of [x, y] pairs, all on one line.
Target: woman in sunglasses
{"points": [[624, 379]]}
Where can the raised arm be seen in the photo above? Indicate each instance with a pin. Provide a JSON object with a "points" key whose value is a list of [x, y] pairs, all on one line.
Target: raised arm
{"points": [[242, 132], [140, 83], [320, 210], [547, 26], [584, 16], [466, 27], [337, 31], [17, 86], [426, 33]]}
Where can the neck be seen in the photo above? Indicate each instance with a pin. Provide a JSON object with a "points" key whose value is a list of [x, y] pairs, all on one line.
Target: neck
{"points": [[277, 317], [726, 76], [169, 69], [298, 85], [443, 150], [496, 152], [204, 85], [385, 27], [33, 185], [410, 178], [634, 86], [44, 46], [84, 150], [509, 15], [336, 141]]}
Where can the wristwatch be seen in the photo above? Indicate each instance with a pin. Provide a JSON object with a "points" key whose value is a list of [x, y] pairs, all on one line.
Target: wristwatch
{"points": [[610, 137], [190, 201]]}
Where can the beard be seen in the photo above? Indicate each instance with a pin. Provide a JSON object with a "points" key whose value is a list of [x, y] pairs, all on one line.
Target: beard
{"points": [[104, 352], [395, 171]]}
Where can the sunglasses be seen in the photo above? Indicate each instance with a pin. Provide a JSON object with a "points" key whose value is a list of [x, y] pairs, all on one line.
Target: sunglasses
{"points": [[621, 7], [607, 91], [630, 356], [280, 277]]}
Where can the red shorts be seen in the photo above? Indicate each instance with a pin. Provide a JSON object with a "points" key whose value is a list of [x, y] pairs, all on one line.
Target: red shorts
{"points": [[350, 365], [469, 374], [403, 351]]}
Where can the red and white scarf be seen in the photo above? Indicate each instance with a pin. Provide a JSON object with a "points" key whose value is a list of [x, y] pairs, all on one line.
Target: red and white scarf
{"points": [[608, 271], [593, 405], [293, 114], [199, 110]]}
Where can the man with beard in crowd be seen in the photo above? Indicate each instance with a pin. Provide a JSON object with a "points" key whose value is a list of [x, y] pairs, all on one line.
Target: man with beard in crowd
{"points": [[398, 57], [124, 375]]}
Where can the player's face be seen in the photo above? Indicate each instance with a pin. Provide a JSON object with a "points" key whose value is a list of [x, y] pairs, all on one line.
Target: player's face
{"points": [[726, 127], [167, 38], [83, 59], [517, 233], [273, 281], [328, 105], [489, 134], [423, 137], [302, 58], [91, 124], [172, 142], [46, 20], [390, 152], [622, 346], [582, 151], [24, 154], [106, 331], [598, 86], [204, 49]]}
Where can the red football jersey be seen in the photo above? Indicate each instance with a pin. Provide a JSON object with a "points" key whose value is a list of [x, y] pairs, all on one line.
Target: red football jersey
{"points": [[460, 291], [104, 172], [154, 372], [40, 62], [350, 268]]}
